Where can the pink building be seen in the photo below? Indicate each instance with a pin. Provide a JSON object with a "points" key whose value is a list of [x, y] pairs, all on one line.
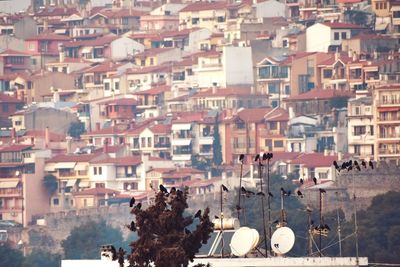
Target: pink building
{"points": [[22, 194], [159, 22], [14, 61]]}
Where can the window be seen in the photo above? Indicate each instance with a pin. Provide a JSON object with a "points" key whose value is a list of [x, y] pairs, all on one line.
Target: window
{"points": [[143, 144], [151, 61], [310, 67], [195, 20], [106, 86], [116, 85], [149, 143], [359, 130], [268, 143], [344, 35], [273, 88], [357, 149], [56, 202], [221, 19], [278, 143], [100, 170], [64, 69], [327, 74], [95, 170], [336, 36], [273, 125]]}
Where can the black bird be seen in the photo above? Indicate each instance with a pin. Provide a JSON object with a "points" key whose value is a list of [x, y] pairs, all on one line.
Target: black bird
{"points": [[283, 191], [350, 163], [364, 164], [336, 165], [138, 206], [238, 207], [243, 190], [344, 165], [358, 167], [270, 194], [241, 158], [289, 193], [216, 217], [257, 157], [224, 188], [349, 168], [187, 232], [299, 193], [276, 221], [114, 253], [260, 194], [132, 226], [173, 190], [371, 164], [314, 180], [327, 227], [163, 189], [301, 181], [265, 156], [322, 190], [198, 214], [355, 163], [132, 202]]}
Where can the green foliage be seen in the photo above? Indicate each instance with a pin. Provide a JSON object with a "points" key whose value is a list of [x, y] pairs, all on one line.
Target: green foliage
{"points": [[200, 163], [163, 232], [84, 241], [217, 148], [339, 102], [76, 129], [50, 183], [10, 257], [296, 216], [379, 230], [357, 17], [41, 258]]}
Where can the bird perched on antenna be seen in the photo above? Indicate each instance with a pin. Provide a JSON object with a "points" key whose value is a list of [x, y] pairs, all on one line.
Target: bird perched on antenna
{"points": [[260, 194], [198, 214], [322, 190], [270, 194], [241, 158], [315, 180], [131, 226], [364, 164], [336, 165], [300, 194], [301, 181], [132, 202], [138, 206], [224, 188], [163, 189], [371, 164]]}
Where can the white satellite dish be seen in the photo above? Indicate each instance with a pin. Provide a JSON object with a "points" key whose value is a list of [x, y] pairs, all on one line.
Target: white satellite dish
{"points": [[243, 241], [282, 240]]}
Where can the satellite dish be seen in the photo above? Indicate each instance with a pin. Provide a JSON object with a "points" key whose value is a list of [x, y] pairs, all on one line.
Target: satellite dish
{"points": [[282, 240], [243, 241]]}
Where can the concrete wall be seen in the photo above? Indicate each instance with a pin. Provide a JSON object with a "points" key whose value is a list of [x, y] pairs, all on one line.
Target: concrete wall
{"points": [[58, 121], [124, 47], [318, 38], [195, 37], [238, 65], [270, 9]]}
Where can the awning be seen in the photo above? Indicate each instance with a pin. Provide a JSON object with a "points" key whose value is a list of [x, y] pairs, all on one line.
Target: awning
{"points": [[382, 109], [71, 182], [181, 142], [381, 26], [395, 8], [80, 167], [181, 126], [65, 165], [84, 184], [50, 167], [9, 184], [60, 31], [86, 50]]}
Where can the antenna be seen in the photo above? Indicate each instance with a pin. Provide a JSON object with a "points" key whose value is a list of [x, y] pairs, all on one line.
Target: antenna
{"points": [[258, 159], [338, 222], [238, 208]]}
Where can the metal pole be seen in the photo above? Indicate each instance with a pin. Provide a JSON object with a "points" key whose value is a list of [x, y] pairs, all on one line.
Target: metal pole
{"points": [[338, 228], [262, 207], [222, 226], [240, 190], [320, 224], [309, 233], [355, 219], [269, 205]]}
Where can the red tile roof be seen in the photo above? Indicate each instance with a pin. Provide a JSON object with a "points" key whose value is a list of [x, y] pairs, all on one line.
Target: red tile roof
{"points": [[48, 36], [261, 114], [332, 60], [348, 1], [120, 161], [155, 90], [14, 148], [225, 92], [56, 11], [114, 130], [100, 41], [201, 6], [10, 52], [150, 69], [73, 158], [161, 128], [9, 99], [120, 102], [320, 94], [340, 25], [55, 137], [153, 52], [120, 13], [96, 192]]}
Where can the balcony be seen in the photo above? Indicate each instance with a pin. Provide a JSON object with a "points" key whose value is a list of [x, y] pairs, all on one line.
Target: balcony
{"points": [[162, 145], [388, 102], [11, 192], [389, 151]]}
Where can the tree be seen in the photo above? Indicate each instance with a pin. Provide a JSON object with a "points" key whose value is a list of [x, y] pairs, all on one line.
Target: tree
{"points": [[76, 129], [41, 258], [357, 17], [164, 238], [85, 240], [50, 183], [10, 257], [217, 148]]}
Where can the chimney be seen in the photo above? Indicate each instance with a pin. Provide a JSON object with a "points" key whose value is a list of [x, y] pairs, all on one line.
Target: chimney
{"points": [[349, 53], [354, 56], [45, 25], [105, 146], [13, 135], [291, 113], [209, 175], [376, 55], [69, 144], [46, 137], [252, 90], [339, 156], [56, 96], [337, 55], [61, 53], [326, 153], [214, 88], [97, 126]]}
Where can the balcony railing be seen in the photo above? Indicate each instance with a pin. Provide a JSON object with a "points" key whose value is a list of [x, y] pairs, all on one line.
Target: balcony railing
{"points": [[389, 102], [162, 145], [389, 151], [11, 192]]}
